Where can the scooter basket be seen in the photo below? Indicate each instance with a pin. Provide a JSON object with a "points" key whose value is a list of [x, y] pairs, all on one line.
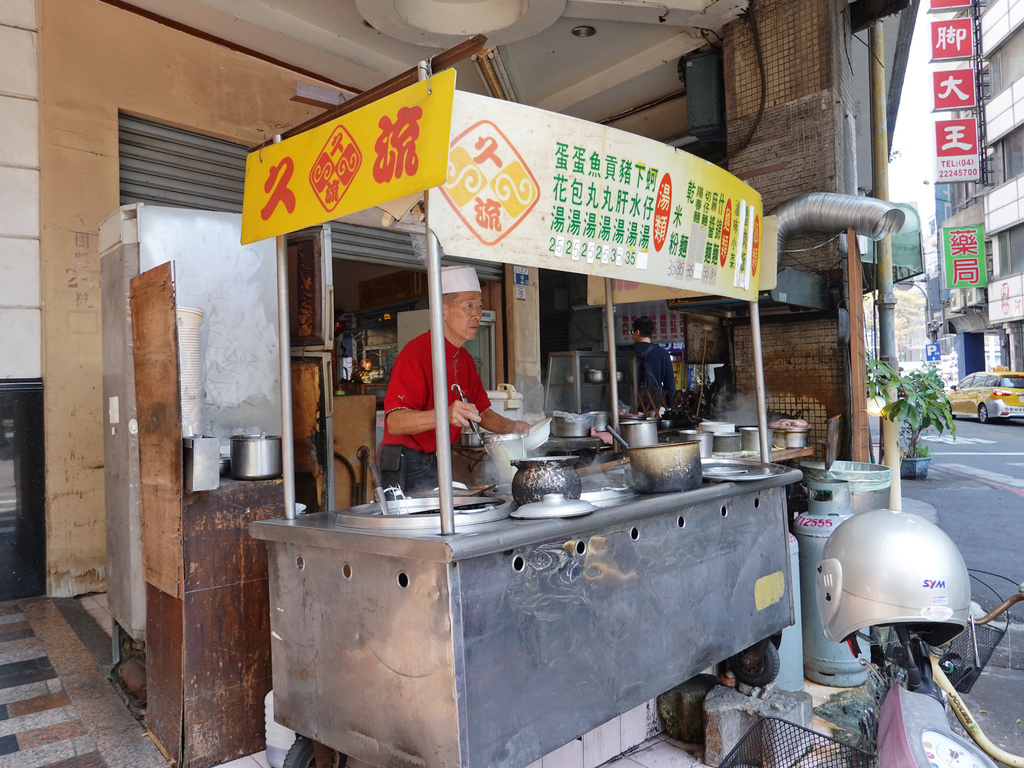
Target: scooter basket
{"points": [[959, 662], [775, 743]]}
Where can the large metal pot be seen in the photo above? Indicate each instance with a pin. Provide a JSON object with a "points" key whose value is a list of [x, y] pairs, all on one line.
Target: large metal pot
{"points": [[640, 432], [704, 439], [255, 457], [665, 468], [577, 426], [595, 376], [537, 477]]}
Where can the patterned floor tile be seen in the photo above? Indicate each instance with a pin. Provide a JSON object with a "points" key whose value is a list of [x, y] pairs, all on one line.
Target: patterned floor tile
{"points": [[6, 630], [36, 720], [61, 753], [21, 650], [51, 733], [28, 671], [8, 744], [38, 704], [28, 691]]}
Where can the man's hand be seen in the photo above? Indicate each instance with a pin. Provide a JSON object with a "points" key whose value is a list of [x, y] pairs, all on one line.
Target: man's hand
{"points": [[521, 427], [461, 414]]}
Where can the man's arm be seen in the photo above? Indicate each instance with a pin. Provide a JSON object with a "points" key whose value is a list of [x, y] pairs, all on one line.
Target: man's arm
{"points": [[495, 422], [404, 421]]}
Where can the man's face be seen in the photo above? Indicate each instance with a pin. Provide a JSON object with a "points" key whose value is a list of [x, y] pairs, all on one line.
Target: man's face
{"points": [[462, 316]]}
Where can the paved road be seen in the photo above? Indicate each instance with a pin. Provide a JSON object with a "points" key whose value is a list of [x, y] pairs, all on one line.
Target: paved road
{"points": [[975, 492]]}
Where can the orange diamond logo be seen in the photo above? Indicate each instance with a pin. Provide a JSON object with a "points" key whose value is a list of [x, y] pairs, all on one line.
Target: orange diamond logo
{"points": [[335, 168], [489, 184]]}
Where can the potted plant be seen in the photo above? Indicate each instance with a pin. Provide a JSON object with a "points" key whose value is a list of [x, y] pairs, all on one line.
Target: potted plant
{"points": [[916, 400]]}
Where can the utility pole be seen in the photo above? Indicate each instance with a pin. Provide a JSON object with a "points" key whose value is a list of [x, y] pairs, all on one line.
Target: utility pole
{"points": [[886, 301]]}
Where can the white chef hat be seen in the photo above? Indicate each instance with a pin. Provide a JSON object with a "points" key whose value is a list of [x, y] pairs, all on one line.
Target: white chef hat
{"points": [[459, 279]]}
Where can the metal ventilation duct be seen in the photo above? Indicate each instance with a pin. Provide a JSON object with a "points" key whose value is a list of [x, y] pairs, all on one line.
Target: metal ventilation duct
{"points": [[831, 212]]}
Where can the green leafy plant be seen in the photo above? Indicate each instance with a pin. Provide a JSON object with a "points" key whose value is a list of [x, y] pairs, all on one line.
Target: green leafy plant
{"points": [[916, 400]]}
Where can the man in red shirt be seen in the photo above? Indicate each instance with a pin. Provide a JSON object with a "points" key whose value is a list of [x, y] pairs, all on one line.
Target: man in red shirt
{"points": [[408, 455]]}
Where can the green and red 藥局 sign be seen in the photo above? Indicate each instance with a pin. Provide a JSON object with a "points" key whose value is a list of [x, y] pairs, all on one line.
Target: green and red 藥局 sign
{"points": [[963, 255]]}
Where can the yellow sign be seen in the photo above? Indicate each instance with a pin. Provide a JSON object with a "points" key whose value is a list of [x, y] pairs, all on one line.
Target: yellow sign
{"points": [[542, 189], [391, 148]]}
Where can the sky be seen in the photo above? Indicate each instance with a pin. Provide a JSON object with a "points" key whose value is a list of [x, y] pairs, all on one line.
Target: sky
{"points": [[914, 139]]}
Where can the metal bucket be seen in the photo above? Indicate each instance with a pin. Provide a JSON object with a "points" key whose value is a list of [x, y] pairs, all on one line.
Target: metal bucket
{"points": [[869, 483]]}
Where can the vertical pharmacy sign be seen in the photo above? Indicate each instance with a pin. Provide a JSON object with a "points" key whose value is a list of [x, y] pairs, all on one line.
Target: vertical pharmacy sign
{"points": [[531, 187], [963, 252]]}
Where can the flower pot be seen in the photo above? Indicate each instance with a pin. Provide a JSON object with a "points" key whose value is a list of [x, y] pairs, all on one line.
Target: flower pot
{"points": [[914, 469]]}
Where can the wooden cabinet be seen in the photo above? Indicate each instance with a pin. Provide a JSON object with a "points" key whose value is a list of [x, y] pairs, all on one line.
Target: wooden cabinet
{"points": [[207, 602]]}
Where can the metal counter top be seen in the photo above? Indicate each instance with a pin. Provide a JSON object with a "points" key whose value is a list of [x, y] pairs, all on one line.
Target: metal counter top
{"points": [[320, 530]]}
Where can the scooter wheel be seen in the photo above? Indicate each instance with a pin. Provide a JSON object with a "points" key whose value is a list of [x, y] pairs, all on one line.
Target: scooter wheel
{"points": [[301, 756], [762, 673]]}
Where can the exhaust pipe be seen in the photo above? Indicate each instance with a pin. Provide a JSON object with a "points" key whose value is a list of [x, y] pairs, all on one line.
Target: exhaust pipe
{"points": [[831, 212]]}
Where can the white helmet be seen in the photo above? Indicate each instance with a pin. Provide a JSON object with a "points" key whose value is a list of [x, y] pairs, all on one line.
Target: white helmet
{"points": [[887, 567]]}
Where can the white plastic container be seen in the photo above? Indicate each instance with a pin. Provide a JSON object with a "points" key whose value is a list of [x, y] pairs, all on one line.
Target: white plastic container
{"points": [[279, 738]]}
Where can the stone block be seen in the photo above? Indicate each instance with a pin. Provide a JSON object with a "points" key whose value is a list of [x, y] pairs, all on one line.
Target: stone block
{"points": [[682, 709], [729, 714]]}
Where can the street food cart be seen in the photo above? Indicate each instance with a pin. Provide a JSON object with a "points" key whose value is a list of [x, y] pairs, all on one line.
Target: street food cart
{"points": [[462, 636]]}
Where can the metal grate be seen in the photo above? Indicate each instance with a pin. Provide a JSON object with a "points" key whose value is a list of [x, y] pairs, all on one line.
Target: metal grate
{"points": [[775, 743]]}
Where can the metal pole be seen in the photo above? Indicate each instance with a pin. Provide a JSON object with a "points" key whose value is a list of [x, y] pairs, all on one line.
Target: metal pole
{"points": [[762, 416], [609, 330], [886, 298], [438, 361], [285, 370]]}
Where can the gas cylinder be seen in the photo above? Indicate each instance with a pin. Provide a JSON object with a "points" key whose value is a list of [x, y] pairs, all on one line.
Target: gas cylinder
{"points": [[825, 662]]}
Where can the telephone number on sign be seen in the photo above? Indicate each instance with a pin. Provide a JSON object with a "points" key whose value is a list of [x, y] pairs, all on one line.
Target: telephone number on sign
{"points": [[957, 173]]}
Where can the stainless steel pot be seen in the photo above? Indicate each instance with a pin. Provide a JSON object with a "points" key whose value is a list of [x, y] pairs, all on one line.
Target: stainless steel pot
{"points": [[595, 376], [575, 427], [727, 442], [790, 437], [255, 457], [601, 420], [471, 439], [704, 439], [751, 438], [639, 433], [537, 477], [666, 468]]}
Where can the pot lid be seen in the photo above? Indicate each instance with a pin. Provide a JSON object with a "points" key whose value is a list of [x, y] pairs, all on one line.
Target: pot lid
{"points": [[553, 505]]}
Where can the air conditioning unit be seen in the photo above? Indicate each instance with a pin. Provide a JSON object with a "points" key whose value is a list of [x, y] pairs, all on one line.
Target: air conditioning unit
{"points": [[974, 297], [957, 302]]}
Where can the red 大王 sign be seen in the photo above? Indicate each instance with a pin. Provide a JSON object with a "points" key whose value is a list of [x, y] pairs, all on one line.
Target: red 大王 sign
{"points": [[952, 39], [953, 89], [956, 150]]}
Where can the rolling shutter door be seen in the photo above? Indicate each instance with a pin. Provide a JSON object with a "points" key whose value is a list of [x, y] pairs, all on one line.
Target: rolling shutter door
{"points": [[162, 165]]}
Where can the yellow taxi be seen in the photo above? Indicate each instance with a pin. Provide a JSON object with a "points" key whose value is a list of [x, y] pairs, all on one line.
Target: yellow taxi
{"points": [[988, 395]]}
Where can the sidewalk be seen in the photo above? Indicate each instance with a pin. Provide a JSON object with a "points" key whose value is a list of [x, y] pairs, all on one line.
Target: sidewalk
{"points": [[57, 709]]}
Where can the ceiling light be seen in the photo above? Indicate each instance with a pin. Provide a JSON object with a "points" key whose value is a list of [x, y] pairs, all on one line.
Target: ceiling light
{"points": [[584, 30]]}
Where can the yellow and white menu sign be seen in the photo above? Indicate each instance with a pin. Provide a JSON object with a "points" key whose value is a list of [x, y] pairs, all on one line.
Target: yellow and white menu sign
{"points": [[536, 188]]}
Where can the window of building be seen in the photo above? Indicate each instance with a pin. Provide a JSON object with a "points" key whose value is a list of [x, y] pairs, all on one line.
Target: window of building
{"points": [[1008, 157], [1006, 63], [1011, 251]]}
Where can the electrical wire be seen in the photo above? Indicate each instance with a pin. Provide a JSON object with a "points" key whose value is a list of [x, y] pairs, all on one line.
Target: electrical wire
{"points": [[759, 54]]}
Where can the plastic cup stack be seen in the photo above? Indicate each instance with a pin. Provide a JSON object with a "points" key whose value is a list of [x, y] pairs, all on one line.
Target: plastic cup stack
{"points": [[190, 366]]}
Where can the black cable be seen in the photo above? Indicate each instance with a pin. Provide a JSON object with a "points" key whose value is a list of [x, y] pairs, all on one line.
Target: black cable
{"points": [[758, 53]]}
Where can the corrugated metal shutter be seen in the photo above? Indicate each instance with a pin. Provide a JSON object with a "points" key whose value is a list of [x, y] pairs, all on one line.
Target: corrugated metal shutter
{"points": [[168, 166], [391, 248]]}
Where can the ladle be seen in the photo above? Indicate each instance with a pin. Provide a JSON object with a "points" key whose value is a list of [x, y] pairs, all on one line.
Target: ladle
{"points": [[617, 436]]}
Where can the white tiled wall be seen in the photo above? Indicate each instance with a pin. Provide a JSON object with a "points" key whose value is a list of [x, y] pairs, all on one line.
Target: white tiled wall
{"points": [[20, 317]]}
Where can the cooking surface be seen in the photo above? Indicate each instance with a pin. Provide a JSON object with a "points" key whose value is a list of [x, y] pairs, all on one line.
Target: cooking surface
{"points": [[502, 534]]}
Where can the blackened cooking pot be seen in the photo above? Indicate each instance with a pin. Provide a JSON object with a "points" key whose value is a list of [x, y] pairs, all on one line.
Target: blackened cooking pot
{"points": [[665, 468], [547, 474]]}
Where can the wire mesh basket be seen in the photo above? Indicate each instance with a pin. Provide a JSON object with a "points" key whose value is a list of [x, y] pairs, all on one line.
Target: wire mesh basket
{"points": [[775, 743], [968, 653]]}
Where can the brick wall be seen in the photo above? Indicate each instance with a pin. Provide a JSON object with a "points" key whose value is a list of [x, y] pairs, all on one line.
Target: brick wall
{"points": [[803, 143]]}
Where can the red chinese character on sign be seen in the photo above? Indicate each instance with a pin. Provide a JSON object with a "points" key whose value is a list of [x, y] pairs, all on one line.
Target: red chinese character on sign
{"points": [[488, 214], [396, 145], [1004, 298], [966, 270], [489, 144], [963, 242], [276, 186], [335, 168]]}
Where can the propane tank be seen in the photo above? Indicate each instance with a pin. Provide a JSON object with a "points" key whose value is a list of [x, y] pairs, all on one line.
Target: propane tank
{"points": [[825, 662]]}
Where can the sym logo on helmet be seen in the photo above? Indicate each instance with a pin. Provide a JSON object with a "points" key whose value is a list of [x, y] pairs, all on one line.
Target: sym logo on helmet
{"points": [[931, 584]]}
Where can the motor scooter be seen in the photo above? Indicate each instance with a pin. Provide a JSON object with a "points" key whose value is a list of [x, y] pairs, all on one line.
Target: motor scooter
{"points": [[900, 575]]}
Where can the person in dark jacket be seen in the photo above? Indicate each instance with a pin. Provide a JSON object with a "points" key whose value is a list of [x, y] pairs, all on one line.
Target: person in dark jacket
{"points": [[653, 363]]}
